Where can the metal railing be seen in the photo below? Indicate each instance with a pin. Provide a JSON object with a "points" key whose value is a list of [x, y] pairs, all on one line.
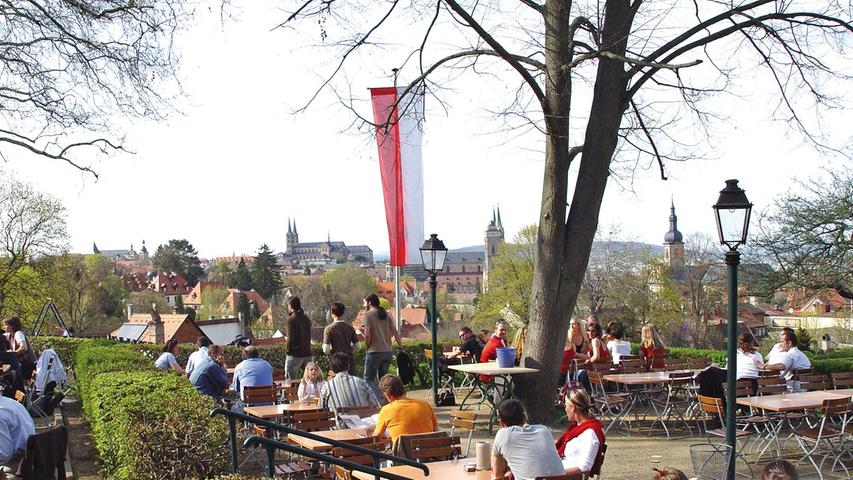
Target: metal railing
{"points": [[233, 417]]}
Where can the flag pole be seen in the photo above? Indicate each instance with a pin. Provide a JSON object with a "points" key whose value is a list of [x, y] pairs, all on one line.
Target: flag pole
{"points": [[397, 296]]}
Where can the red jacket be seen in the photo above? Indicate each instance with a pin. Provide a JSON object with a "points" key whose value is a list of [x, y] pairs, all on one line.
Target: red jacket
{"points": [[575, 430], [490, 352], [652, 357]]}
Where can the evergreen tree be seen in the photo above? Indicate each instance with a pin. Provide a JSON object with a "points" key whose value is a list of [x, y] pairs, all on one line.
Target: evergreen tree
{"points": [[241, 279], [266, 273], [181, 257], [179, 304]]}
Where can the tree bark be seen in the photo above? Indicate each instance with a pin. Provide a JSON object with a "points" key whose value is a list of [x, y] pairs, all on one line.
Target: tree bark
{"points": [[564, 243]]}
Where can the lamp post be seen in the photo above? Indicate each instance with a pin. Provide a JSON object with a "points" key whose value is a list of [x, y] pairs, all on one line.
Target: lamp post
{"points": [[732, 212], [433, 253]]}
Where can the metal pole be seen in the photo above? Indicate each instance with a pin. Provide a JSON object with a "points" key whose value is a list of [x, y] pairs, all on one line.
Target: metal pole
{"points": [[232, 436], [732, 260], [397, 296], [433, 320]]}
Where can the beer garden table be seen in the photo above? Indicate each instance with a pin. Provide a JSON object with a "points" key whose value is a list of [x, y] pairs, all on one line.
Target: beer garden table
{"points": [[491, 369], [449, 469], [344, 435]]}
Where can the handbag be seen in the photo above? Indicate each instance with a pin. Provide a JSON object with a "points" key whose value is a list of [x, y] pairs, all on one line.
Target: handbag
{"points": [[446, 397]]}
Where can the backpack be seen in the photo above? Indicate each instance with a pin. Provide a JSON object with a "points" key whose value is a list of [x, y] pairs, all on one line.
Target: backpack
{"points": [[405, 368]]}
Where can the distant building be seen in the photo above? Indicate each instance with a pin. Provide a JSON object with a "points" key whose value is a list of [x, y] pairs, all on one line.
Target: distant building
{"points": [[673, 247], [169, 285], [127, 261], [494, 237], [159, 328], [323, 252]]}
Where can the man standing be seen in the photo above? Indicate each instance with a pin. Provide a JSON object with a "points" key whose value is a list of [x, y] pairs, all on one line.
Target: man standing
{"points": [[471, 345], [253, 371], [298, 339], [379, 328], [16, 426], [792, 360], [210, 377], [403, 415], [345, 390], [527, 451], [197, 356], [340, 336]]}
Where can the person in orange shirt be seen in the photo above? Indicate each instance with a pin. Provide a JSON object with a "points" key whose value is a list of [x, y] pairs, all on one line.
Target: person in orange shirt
{"points": [[403, 415]]}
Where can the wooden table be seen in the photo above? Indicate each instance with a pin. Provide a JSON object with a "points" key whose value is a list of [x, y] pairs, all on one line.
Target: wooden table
{"points": [[447, 470], [344, 435], [787, 402], [268, 412]]}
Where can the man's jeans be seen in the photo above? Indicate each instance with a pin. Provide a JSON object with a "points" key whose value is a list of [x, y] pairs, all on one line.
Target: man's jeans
{"points": [[292, 365], [375, 367]]}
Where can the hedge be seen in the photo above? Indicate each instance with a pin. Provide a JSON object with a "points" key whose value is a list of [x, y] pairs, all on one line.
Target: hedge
{"points": [[832, 365], [840, 353], [146, 424]]}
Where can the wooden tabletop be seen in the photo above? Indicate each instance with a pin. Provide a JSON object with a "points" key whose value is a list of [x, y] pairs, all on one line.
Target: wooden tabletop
{"points": [[449, 470], [646, 378], [272, 411], [344, 435], [787, 402], [491, 368]]}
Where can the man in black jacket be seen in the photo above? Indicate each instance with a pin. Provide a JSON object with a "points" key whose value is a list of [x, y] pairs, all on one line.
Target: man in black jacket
{"points": [[298, 339]]}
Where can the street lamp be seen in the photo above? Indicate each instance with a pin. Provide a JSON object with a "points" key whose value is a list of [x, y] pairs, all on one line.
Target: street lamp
{"points": [[433, 253], [732, 211]]}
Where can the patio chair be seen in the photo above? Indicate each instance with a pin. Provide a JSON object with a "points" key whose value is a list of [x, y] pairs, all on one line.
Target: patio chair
{"points": [[698, 363], [675, 364], [435, 449], [379, 444], [811, 383], [464, 421], [259, 395], [312, 421], [290, 393], [714, 410], [675, 404], [614, 405], [824, 436], [842, 380], [748, 419], [44, 458]]}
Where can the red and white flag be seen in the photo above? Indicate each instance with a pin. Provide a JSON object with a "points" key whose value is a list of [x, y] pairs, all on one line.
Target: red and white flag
{"points": [[399, 133]]}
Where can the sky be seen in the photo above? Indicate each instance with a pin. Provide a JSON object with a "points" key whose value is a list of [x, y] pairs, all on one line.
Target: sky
{"points": [[229, 169]]}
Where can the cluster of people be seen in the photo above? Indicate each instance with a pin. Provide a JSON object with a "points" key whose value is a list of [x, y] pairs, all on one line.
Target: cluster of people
{"points": [[18, 354], [785, 357]]}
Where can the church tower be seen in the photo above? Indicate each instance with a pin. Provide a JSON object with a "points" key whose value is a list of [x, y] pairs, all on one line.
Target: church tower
{"points": [[673, 245], [292, 238], [494, 237]]}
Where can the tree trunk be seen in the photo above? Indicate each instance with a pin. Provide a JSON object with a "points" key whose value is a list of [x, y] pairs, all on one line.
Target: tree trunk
{"points": [[563, 244]]}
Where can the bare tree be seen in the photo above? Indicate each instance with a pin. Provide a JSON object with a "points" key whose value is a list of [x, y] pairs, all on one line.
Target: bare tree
{"points": [[32, 225], [701, 282], [68, 67], [636, 56]]}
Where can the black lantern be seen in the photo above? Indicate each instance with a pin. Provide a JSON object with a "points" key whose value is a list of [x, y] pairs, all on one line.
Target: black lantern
{"points": [[433, 253], [732, 211]]}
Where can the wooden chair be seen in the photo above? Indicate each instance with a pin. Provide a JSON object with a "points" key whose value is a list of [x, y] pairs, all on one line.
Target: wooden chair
{"points": [[464, 421], [290, 393], [258, 395], [631, 365], [842, 380], [435, 449], [822, 436], [812, 383], [676, 364], [278, 375], [767, 373], [312, 421], [771, 385], [379, 444], [698, 363], [614, 405]]}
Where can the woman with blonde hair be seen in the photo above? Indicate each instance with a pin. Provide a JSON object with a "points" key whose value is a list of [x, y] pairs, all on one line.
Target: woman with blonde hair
{"points": [[572, 350], [651, 348], [312, 383], [581, 443]]}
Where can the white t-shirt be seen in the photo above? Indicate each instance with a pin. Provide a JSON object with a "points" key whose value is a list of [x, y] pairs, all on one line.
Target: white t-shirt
{"points": [[166, 361], [618, 348], [580, 451], [195, 359], [794, 359], [746, 364], [16, 426], [19, 339], [775, 355], [529, 451]]}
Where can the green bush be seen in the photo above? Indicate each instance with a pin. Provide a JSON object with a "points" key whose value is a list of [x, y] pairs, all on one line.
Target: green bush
{"points": [[833, 365], [147, 424], [840, 353], [716, 356]]}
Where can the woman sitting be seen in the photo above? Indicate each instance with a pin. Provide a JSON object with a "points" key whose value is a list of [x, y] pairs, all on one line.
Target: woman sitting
{"points": [[651, 348], [312, 383], [167, 359], [748, 360], [618, 346], [597, 354], [583, 440], [574, 338]]}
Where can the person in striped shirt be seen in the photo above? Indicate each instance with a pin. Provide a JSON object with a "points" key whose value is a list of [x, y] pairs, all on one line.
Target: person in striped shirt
{"points": [[345, 390]]}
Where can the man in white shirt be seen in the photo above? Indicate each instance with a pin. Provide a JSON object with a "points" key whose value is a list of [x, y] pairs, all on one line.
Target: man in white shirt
{"points": [[197, 356], [776, 355], [527, 451], [793, 359], [16, 426]]}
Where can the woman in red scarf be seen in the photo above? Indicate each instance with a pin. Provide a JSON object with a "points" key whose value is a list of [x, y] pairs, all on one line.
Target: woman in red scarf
{"points": [[581, 443]]}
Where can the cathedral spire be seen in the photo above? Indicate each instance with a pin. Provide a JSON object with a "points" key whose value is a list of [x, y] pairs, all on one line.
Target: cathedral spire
{"points": [[673, 235], [295, 232], [289, 229], [499, 224]]}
